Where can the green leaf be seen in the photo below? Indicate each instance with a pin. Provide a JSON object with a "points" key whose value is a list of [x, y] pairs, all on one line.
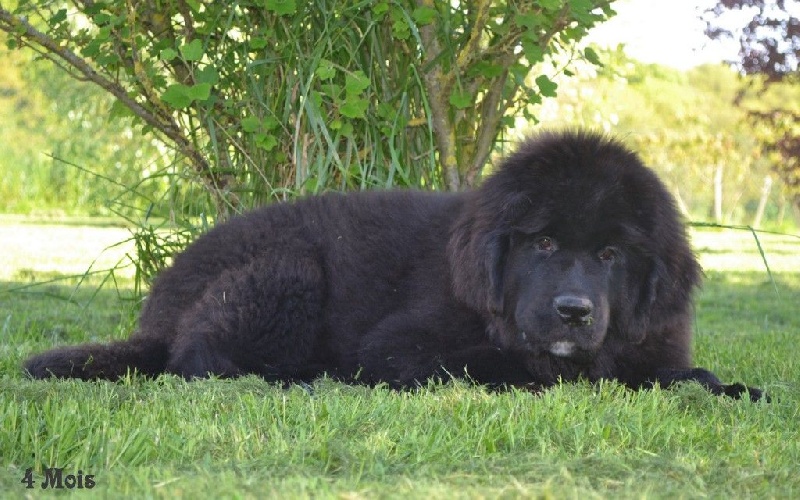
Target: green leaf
{"points": [[386, 110], [176, 96], [266, 142], [193, 51], [591, 56], [199, 92], [550, 4], [208, 74], [258, 43], [331, 90], [270, 123], [347, 130], [119, 110], [180, 96], [355, 83], [528, 20], [281, 7], [109, 60], [325, 70], [354, 108], [547, 87], [461, 99], [103, 34], [250, 124], [533, 52], [424, 15], [533, 97], [91, 49], [58, 18], [486, 69], [581, 5], [400, 28], [102, 18], [380, 8], [168, 54], [315, 98]]}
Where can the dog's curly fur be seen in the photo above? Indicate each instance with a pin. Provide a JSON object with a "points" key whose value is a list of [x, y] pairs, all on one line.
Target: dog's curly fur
{"points": [[569, 262]]}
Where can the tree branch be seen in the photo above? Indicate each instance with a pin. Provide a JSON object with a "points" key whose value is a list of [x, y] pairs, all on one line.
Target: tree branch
{"points": [[162, 122], [491, 113], [436, 85], [470, 49]]}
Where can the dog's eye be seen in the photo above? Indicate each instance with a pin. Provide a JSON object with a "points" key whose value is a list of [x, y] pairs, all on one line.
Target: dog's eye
{"points": [[545, 244], [608, 254]]}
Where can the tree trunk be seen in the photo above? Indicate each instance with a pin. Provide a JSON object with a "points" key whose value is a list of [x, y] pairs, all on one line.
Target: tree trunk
{"points": [[718, 193], [762, 203]]}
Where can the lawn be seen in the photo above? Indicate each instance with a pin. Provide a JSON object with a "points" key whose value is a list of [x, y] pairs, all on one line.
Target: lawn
{"points": [[248, 439]]}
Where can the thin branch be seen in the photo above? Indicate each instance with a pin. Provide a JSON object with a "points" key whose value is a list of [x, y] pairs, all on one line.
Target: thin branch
{"points": [[471, 48], [492, 111], [20, 28]]}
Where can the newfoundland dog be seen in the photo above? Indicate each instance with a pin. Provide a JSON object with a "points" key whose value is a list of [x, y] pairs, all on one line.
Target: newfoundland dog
{"points": [[569, 262]]}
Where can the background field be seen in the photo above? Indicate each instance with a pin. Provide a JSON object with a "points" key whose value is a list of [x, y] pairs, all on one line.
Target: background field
{"points": [[247, 439]]}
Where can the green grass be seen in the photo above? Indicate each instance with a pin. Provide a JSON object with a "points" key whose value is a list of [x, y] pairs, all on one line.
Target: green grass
{"points": [[247, 439]]}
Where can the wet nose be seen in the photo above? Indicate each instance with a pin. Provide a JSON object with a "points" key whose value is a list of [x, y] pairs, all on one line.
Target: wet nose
{"points": [[574, 310]]}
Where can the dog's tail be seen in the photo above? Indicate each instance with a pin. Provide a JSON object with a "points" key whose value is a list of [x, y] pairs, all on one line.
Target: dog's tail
{"points": [[101, 361]]}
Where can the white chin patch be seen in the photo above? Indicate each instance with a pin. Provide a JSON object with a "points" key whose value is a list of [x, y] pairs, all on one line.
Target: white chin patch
{"points": [[562, 349]]}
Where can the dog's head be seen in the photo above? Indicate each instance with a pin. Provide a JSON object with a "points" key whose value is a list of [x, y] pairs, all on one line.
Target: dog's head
{"points": [[571, 241]]}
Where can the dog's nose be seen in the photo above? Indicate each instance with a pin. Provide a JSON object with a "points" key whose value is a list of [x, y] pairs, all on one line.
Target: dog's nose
{"points": [[574, 310]]}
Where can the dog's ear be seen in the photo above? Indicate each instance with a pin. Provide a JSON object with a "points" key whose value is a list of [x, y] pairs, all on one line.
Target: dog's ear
{"points": [[636, 330], [665, 296], [496, 251], [478, 245]]}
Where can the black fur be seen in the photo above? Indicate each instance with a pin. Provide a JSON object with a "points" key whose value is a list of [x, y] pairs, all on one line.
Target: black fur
{"points": [[569, 262]]}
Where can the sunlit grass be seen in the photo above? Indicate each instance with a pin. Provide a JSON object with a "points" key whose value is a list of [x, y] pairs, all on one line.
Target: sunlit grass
{"points": [[35, 251], [737, 250]]}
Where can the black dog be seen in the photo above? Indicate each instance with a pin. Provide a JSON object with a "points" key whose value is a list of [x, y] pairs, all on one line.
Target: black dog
{"points": [[569, 262]]}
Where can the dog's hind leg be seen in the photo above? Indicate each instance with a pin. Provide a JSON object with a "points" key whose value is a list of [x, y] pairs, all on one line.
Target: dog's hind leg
{"points": [[264, 318]]}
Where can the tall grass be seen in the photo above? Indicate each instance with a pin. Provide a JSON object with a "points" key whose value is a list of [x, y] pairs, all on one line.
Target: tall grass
{"points": [[318, 106]]}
